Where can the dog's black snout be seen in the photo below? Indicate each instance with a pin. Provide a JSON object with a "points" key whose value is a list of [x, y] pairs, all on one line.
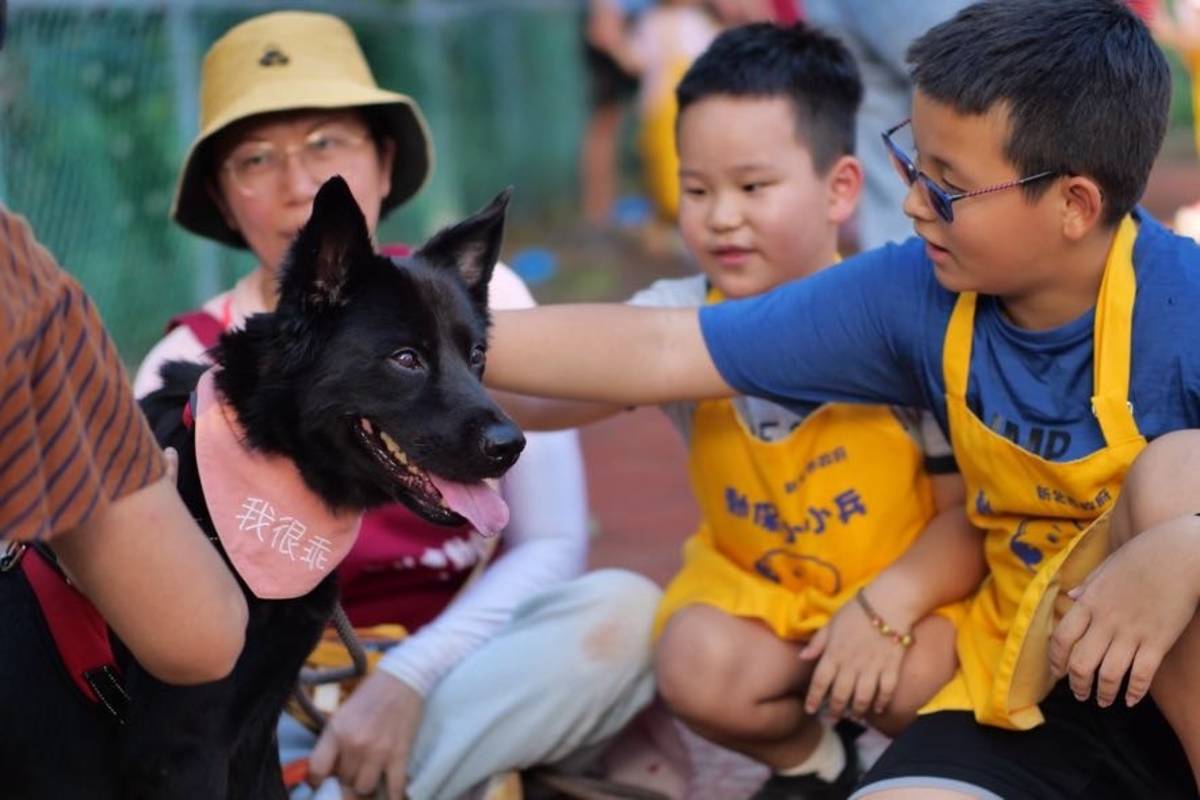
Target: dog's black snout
{"points": [[502, 443]]}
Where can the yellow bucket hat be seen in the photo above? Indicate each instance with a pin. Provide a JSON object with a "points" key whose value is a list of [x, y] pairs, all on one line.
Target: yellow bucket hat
{"points": [[284, 61]]}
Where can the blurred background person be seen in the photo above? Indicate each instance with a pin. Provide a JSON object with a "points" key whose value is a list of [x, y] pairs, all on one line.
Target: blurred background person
{"points": [[878, 33], [662, 45], [610, 89], [1177, 27]]}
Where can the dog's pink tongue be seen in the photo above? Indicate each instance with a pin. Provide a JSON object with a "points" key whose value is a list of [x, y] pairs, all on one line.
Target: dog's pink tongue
{"points": [[478, 503]]}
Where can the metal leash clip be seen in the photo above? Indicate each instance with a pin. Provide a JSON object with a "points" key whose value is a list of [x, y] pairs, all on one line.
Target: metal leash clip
{"points": [[10, 556]]}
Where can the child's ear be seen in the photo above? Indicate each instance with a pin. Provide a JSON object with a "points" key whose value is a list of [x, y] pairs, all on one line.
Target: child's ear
{"points": [[319, 262], [471, 247], [1082, 206], [843, 187]]}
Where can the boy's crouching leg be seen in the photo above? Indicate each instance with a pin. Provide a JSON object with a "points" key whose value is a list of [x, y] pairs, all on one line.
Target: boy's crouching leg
{"points": [[926, 668], [734, 682], [1164, 485]]}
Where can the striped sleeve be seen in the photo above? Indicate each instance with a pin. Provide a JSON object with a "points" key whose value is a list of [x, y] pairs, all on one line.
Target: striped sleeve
{"points": [[72, 439]]}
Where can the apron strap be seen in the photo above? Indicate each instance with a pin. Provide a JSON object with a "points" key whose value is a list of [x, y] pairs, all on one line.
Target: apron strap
{"points": [[1113, 340], [1113, 337], [956, 348]]}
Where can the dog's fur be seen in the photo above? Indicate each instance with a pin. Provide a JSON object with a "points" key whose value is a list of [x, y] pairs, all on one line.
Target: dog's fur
{"points": [[301, 380]]}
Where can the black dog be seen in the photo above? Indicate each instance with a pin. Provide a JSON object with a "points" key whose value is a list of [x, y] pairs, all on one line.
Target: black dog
{"points": [[367, 378]]}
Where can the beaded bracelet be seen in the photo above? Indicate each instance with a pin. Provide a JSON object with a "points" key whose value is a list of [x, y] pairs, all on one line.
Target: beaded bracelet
{"points": [[903, 639]]}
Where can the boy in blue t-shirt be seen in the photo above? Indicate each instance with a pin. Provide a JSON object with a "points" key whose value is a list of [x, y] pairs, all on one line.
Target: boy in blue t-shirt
{"points": [[816, 530], [1050, 325]]}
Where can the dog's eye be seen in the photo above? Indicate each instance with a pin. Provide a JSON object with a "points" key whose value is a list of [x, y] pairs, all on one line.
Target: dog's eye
{"points": [[407, 358], [478, 356]]}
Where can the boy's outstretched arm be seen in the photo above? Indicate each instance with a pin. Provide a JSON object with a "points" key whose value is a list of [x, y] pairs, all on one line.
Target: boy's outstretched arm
{"points": [[603, 353], [547, 414]]}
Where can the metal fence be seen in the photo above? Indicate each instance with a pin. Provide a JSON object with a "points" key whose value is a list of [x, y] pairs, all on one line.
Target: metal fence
{"points": [[98, 101]]}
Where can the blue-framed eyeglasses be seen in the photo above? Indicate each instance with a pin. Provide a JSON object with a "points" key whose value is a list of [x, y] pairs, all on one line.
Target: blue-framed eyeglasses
{"points": [[941, 199]]}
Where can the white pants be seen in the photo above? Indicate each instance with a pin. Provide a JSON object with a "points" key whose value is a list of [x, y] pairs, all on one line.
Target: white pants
{"points": [[568, 672]]}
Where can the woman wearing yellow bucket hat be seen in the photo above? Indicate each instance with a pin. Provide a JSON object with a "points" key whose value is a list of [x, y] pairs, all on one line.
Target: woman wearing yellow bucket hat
{"points": [[288, 100]]}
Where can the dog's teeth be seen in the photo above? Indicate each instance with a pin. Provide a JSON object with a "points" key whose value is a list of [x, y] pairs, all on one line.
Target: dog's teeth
{"points": [[394, 448]]}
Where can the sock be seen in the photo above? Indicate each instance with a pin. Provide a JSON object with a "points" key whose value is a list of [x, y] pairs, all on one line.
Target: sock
{"points": [[826, 761]]}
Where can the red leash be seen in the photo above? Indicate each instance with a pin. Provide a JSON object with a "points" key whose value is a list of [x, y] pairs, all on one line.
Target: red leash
{"points": [[79, 633]]}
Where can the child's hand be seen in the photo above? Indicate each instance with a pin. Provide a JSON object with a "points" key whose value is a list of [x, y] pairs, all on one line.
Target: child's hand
{"points": [[859, 667], [1129, 612]]}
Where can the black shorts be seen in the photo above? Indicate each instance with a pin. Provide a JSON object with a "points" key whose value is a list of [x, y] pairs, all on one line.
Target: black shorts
{"points": [[1082, 751], [608, 83]]}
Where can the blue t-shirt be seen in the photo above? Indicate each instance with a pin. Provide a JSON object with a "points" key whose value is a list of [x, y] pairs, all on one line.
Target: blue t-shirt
{"points": [[872, 329]]}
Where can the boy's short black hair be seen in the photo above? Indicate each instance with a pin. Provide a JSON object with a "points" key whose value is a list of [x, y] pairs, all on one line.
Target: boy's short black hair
{"points": [[813, 70], [1086, 88]]}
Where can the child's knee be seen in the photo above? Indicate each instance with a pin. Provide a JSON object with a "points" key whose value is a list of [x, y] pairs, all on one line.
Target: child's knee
{"points": [[694, 665], [619, 612], [1163, 483], [933, 659], [927, 668]]}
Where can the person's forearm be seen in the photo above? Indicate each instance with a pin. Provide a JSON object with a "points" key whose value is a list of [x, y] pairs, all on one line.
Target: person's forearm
{"points": [[603, 353], [160, 584], [944, 564], [544, 414]]}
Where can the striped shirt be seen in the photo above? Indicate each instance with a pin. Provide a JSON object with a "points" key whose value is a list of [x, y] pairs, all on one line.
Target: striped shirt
{"points": [[71, 437]]}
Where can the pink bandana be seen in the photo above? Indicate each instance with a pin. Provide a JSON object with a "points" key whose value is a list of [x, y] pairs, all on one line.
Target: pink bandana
{"points": [[282, 539]]}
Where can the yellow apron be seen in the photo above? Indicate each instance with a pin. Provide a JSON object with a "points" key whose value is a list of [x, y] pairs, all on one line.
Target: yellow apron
{"points": [[1046, 522], [656, 142], [793, 528]]}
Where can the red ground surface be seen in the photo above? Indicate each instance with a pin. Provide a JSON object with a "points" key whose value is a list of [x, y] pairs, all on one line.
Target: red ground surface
{"points": [[640, 499]]}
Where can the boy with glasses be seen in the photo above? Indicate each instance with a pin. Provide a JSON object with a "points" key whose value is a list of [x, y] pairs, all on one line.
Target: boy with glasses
{"points": [[816, 527], [1049, 324]]}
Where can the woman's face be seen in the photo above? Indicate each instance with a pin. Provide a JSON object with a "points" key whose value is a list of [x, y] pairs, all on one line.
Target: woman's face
{"points": [[269, 168]]}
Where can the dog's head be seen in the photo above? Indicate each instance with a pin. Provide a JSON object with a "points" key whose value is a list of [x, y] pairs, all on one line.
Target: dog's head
{"points": [[367, 375]]}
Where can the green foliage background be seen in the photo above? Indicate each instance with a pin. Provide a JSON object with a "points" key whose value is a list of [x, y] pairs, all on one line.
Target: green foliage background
{"points": [[98, 105]]}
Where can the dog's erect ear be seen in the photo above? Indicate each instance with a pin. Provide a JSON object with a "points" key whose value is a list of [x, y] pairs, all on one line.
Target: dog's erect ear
{"points": [[334, 238], [471, 247]]}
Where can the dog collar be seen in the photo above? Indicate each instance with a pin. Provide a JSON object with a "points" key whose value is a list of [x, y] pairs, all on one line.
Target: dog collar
{"points": [[280, 536]]}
